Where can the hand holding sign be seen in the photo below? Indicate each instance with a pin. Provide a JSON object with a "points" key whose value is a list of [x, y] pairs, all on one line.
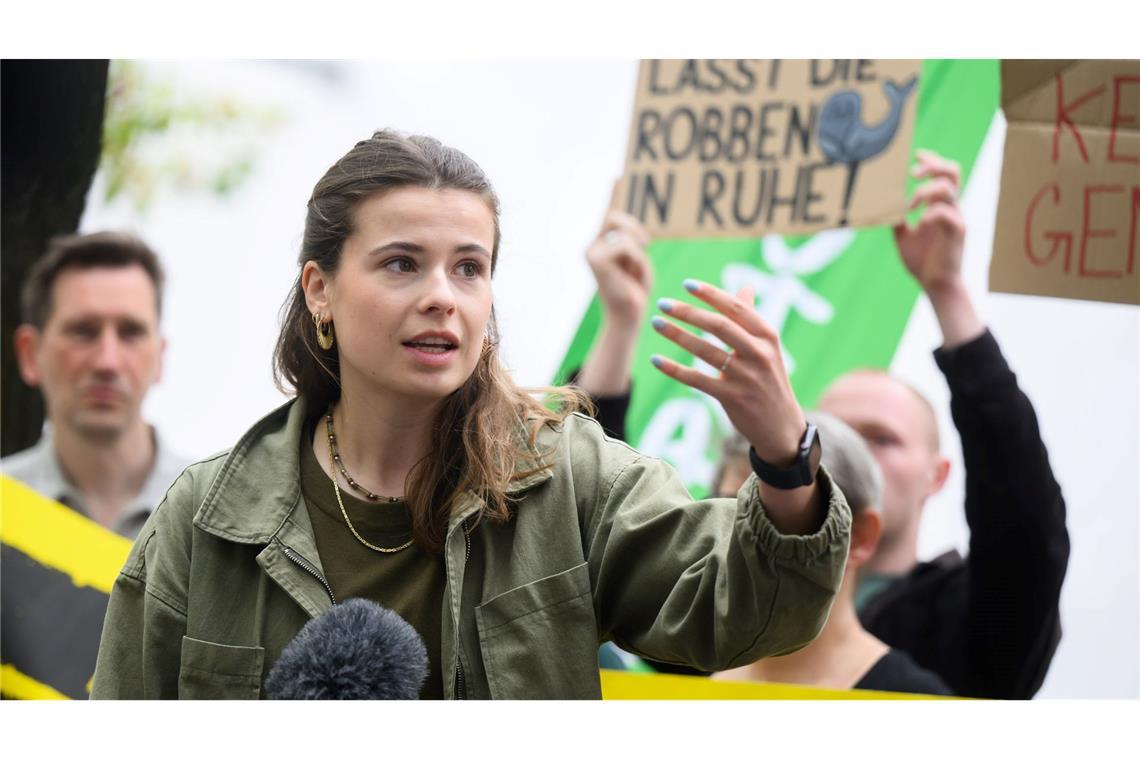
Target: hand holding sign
{"points": [[753, 387], [932, 249], [624, 278], [621, 268]]}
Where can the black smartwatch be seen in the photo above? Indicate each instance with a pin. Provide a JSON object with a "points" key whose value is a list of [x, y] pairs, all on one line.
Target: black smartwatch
{"points": [[802, 471]]}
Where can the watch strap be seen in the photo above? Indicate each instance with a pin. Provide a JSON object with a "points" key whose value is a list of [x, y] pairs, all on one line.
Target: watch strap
{"points": [[787, 478]]}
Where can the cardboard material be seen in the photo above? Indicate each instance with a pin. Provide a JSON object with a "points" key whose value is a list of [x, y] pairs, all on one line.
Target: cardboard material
{"points": [[1069, 209], [743, 148]]}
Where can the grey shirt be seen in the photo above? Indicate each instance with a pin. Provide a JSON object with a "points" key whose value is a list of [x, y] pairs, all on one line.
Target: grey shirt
{"points": [[40, 469]]}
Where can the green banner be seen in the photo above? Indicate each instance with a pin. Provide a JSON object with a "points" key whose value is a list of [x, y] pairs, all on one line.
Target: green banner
{"points": [[840, 299]]}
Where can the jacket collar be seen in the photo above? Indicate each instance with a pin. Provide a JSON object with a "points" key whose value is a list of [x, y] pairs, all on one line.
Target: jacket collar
{"points": [[258, 485]]}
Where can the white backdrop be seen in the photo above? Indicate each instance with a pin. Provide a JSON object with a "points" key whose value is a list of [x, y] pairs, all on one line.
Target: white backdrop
{"points": [[552, 136]]}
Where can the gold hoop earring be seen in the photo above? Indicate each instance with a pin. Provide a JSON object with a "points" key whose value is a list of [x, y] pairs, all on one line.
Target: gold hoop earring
{"points": [[325, 335]]}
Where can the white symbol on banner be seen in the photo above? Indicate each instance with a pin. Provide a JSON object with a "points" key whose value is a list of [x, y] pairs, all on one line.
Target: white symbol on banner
{"points": [[782, 292], [687, 453]]}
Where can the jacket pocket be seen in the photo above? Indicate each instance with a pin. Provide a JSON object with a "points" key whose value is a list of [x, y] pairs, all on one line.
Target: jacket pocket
{"points": [[219, 671], [540, 641]]}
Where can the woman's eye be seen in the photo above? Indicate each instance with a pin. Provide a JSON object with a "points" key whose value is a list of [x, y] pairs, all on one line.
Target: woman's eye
{"points": [[470, 269], [400, 265]]}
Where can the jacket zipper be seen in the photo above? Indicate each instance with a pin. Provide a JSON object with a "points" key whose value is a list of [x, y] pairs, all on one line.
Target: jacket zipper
{"points": [[460, 687], [296, 559]]}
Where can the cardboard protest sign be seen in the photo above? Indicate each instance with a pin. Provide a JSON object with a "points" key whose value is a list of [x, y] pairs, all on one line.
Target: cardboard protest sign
{"points": [[744, 148], [1070, 187]]}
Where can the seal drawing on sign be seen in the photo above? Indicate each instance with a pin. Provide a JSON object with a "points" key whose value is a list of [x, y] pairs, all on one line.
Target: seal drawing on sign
{"points": [[845, 139]]}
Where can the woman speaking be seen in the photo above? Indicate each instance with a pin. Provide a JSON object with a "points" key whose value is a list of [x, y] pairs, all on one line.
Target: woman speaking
{"points": [[409, 469]]}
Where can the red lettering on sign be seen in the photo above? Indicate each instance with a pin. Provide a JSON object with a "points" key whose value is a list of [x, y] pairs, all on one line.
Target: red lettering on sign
{"points": [[1064, 238], [1063, 117], [1087, 233], [1056, 237], [1118, 119]]}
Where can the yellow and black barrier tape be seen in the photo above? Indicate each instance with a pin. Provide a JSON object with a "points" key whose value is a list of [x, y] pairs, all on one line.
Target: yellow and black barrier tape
{"points": [[58, 568]]}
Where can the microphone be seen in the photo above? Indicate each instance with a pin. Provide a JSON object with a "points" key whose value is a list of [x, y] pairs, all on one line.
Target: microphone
{"points": [[356, 650]]}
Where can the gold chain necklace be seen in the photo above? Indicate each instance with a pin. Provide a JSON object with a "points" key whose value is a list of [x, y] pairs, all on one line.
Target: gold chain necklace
{"points": [[334, 459]]}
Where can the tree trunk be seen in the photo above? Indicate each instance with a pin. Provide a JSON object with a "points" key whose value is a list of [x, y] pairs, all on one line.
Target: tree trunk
{"points": [[51, 129]]}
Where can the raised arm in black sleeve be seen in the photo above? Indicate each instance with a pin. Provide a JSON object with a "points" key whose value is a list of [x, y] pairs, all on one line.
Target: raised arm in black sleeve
{"points": [[611, 409], [989, 625]]}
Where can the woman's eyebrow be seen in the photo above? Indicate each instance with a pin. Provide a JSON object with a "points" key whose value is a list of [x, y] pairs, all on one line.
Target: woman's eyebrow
{"points": [[401, 246], [404, 246], [473, 248]]}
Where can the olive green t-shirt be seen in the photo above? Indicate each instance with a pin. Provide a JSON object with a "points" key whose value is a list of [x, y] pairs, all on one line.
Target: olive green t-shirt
{"points": [[410, 582]]}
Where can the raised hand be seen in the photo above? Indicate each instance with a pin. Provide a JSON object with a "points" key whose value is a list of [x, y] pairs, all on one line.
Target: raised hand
{"points": [[624, 277], [620, 266], [931, 250], [753, 385]]}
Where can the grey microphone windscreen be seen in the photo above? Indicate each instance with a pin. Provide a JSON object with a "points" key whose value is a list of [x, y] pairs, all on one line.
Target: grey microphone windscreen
{"points": [[356, 650]]}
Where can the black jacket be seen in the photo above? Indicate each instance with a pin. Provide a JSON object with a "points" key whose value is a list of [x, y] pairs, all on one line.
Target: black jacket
{"points": [[990, 623]]}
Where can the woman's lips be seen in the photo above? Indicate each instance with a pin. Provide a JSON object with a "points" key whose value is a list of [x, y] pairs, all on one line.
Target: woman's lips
{"points": [[431, 356]]}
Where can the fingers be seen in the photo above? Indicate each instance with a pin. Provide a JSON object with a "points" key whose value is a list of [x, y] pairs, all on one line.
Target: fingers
{"points": [[627, 224], [949, 217], [698, 347], [940, 190], [635, 263], [740, 311], [618, 247], [686, 375], [930, 164], [732, 334]]}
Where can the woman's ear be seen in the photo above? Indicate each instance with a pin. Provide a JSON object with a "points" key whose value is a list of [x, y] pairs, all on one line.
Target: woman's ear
{"points": [[316, 286], [866, 529]]}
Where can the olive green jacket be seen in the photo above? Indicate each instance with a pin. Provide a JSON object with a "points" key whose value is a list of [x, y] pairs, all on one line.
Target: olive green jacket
{"points": [[606, 545]]}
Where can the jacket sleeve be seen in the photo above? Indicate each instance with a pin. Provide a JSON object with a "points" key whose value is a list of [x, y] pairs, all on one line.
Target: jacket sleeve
{"points": [[140, 649], [1019, 545], [710, 584]]}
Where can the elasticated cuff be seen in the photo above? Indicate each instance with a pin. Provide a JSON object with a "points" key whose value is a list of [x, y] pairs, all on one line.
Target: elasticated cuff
{"points": [[832, 537]]}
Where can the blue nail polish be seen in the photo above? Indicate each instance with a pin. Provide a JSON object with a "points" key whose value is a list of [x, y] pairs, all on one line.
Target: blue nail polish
{"points": [[691, 285], [658, 323], [665, 305], [656, 360]]}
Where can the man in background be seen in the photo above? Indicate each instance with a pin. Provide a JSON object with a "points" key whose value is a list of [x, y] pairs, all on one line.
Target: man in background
{"points": [[91, 343], [988, 623]]}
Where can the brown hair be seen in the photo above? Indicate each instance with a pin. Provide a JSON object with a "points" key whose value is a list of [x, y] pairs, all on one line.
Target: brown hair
{"points": [[98, 249], [475, 441]]}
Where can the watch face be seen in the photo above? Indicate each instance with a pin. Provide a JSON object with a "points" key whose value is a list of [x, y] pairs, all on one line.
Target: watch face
{"points": [[816, 452], [803, 470]]}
